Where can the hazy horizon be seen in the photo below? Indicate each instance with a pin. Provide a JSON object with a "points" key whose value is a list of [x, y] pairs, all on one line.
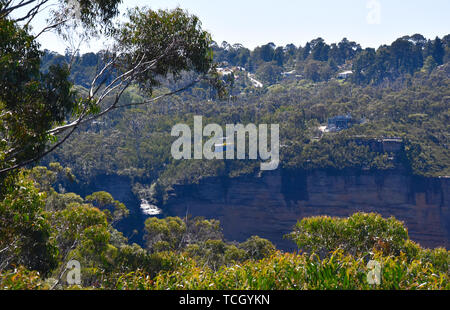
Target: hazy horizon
{"points": [[252, 23]]}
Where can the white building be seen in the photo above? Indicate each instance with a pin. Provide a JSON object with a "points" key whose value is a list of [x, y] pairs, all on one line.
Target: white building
{"points": [[344, 75]]}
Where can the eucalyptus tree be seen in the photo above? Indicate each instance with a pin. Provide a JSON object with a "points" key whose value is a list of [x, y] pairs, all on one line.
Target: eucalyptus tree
{"points": [[40, 111]]}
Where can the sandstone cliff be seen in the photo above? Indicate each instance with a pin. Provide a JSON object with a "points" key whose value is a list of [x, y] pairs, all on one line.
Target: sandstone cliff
{"points": [[270, 205]]}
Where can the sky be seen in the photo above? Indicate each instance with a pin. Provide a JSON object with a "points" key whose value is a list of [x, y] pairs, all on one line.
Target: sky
{"points": [[256, 22]]}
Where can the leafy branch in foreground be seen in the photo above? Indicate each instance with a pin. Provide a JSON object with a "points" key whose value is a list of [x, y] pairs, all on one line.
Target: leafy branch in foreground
{"points": [[38, 109]]}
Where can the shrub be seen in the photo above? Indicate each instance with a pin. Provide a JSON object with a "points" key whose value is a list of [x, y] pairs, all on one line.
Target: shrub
{"points": [[357, 235]]}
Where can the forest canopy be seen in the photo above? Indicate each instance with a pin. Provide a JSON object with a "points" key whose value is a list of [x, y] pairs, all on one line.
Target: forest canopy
{"points": [[66, 119]]}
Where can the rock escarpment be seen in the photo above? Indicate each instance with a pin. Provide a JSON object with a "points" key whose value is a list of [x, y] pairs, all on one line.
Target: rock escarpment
{"points": [[270, 205]]}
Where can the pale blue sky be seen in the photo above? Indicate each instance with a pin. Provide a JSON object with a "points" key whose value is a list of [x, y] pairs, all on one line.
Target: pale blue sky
{"points": [[257, 22]]}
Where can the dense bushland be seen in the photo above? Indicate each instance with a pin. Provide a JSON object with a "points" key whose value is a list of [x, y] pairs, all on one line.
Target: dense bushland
{"points": [[43, 230]]}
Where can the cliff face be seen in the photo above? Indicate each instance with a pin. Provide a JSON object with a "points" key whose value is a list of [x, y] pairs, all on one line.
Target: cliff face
{"points": [[269, 206], [121, 188]]}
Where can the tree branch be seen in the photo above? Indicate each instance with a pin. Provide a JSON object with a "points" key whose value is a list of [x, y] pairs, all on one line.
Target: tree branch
{"points": [[50, 27], [32, 12], [161, 96], [40, 156], [7, 10]]}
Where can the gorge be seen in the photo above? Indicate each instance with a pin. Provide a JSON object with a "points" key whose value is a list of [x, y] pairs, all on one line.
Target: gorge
{"points": [[269, 205]]}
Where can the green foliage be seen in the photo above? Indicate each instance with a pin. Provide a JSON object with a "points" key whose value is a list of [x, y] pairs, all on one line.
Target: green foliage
{"points": [[269, 73], [404, 265], [405, 56], [165, 234], [22, 279], [257, 248], [25, 230], [38, 101], [98, 13], [316, 71], [173, 233], [357, 235], [136, 142], [31, 102], [429, 65], [74, 222], [297, 272], [203, 241], [402, 90], [104, 199], [211, 253], [175, 34], [191, 254]]}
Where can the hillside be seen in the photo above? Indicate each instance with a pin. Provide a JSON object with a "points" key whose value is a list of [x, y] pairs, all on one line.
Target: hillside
{"points": [[97, 191], [398, 126], [408, 101]]}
